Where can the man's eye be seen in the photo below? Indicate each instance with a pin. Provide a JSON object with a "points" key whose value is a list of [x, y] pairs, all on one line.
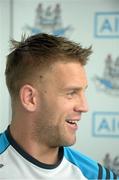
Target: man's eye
{"points": [[73, 92], [70, 94]]}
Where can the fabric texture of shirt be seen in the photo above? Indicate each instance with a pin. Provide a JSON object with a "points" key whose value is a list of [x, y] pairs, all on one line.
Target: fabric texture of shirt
{"points": [[16, 164]]}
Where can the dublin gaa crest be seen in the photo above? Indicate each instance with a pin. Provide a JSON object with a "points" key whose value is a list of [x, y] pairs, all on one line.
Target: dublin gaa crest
{"points": [[111, 163], [48, 20], [109, 81]]}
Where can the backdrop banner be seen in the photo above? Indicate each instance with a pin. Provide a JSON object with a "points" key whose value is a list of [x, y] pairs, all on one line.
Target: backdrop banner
{"points": [[91, 22]]}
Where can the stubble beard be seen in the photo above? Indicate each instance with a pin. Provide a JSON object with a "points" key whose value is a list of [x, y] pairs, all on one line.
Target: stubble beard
{"points": [[51, 136]]}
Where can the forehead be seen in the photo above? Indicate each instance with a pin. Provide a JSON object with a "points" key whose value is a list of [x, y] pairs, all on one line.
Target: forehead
{"points": [[71, 73]]}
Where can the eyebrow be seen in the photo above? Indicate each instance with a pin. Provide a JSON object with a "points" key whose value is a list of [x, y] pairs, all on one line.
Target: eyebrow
{"points": [[76, 88]]}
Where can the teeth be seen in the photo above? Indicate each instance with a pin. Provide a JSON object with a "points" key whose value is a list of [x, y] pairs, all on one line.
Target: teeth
{"points": [[72, 122]]}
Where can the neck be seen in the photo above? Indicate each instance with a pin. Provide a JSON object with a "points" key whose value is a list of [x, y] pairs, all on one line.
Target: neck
{"points": [[37, 150]]}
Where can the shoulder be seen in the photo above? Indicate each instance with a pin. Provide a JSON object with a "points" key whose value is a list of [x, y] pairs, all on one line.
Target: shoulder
{"points": [[4, 143], [90, 168]]}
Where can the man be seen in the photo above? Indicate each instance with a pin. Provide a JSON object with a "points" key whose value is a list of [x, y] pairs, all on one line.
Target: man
{"points": [[46, 80]]}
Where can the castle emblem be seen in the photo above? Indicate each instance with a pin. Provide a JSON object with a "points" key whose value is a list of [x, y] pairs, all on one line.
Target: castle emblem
{"points": [[111, 163], [48, 21], [109, 82]]}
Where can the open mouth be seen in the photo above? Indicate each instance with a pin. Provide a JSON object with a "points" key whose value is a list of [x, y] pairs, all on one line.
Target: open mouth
{"points": [[72, 122]]}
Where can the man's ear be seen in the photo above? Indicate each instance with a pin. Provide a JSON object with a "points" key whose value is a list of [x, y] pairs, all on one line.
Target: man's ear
{"points": [[28, 97]]}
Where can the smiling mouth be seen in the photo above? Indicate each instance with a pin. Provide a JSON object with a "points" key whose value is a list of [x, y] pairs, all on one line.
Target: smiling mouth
{"points": [[72, 123]]}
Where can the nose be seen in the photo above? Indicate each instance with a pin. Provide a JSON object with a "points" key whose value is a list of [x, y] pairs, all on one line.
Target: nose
{"points": [[81, 104]]}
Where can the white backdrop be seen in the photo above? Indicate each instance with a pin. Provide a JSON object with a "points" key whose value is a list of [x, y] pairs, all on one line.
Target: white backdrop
{"points": [[92, 22]]}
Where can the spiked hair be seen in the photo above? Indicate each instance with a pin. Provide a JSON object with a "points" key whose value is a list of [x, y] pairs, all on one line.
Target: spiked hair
{"points": [[36, 53]]}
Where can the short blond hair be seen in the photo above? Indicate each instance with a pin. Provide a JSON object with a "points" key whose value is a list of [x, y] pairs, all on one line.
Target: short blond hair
{"points": [[36, 53]]}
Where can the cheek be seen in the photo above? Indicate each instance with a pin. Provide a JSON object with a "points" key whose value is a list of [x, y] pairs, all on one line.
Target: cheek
{"points": [[64, 110], [56, 108], [66, 105]]}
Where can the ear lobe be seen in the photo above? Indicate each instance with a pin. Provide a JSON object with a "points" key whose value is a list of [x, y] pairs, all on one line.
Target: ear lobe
{"points": [[28, 97]]}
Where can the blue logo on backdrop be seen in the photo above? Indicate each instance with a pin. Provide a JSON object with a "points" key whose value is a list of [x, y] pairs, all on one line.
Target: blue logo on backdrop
{"points": [[48, 20], [111, 163], [106, 124], [109, 81], [106, 25]]}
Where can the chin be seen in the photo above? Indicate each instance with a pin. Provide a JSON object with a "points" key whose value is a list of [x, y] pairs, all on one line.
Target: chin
{"points": [[69, 143]]}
